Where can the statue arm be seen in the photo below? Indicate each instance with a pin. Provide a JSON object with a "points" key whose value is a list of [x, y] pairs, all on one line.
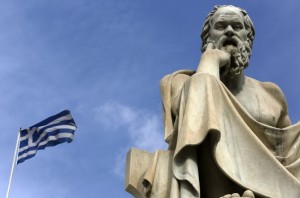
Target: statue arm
{"points": [[170, 87], [284, 119], [276, 92], [176, 87], [212, 60]]}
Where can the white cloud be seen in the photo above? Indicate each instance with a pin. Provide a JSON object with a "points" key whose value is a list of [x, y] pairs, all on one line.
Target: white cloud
{"points": [[142, 126], [114, 115]]}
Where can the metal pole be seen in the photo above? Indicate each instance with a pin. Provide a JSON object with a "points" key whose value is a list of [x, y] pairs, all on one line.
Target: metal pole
{"points": [[13, 164]]}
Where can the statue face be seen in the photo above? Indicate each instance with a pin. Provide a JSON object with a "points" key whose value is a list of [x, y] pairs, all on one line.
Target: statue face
{"points": [[227, 27], [228, 32]]}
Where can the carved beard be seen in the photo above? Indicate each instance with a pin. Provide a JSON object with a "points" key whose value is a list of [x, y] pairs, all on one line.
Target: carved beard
{"points": [[240, 54], [239, 58]]}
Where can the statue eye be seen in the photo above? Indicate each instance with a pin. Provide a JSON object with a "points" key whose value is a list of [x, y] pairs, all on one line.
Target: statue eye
{"points": [[237, 26], [219, 26]]}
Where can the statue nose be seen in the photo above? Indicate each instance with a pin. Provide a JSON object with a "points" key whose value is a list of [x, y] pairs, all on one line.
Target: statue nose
{"points": [[229, 31]]}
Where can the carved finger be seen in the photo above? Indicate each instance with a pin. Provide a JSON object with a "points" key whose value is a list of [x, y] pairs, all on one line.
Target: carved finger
{"points": [[235, 195], [248, 193]]}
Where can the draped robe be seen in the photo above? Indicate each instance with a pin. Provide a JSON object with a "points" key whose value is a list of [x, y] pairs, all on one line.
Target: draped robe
{"points": [[249, 154]]}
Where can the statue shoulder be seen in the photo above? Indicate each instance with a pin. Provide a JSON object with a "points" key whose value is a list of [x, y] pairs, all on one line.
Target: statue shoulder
{"points": [[176, 80], [275, 91], [270, 88]]}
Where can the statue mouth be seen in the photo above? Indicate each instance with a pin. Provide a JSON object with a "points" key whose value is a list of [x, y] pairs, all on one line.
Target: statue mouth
{"points": [[229, 42]]}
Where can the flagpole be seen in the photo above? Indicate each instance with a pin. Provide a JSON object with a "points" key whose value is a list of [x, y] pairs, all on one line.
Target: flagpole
{"points": [[13, 164]]}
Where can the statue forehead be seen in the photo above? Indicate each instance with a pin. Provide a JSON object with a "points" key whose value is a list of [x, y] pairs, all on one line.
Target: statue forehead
{"points": [[228, 12]]}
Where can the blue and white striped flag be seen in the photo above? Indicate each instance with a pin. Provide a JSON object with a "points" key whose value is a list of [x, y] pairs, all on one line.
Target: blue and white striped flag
{"points": [[54, 130]]}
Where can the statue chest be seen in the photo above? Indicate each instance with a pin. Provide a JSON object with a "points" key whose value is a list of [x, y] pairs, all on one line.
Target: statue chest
{"points": [[261, 106]]}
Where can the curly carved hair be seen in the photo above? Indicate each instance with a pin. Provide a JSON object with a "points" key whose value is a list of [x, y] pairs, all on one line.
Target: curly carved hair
{"points": [[207, 24]]}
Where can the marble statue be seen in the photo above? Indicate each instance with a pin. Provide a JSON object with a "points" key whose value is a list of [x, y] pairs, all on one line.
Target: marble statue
{"points": [[229, 135]]}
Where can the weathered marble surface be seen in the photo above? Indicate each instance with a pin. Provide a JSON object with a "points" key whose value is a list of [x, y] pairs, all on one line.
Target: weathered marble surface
{"points": [[227, 133]]}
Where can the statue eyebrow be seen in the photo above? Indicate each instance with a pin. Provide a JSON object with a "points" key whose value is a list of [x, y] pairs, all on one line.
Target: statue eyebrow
{"points": [[230, 22]]}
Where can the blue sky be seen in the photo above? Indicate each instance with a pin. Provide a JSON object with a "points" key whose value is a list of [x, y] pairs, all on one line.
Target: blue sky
{"points": [[103, 60]]}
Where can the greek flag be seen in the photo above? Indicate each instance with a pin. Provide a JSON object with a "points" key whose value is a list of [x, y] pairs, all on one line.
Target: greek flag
{"points": [[54, 130]]}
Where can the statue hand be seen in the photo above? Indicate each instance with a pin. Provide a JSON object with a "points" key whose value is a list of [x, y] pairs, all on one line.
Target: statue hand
{"points": [[212, 60], [246, 194]]}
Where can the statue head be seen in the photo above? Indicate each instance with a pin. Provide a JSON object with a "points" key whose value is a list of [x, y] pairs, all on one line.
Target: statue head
{"points": [[230, 28]]}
